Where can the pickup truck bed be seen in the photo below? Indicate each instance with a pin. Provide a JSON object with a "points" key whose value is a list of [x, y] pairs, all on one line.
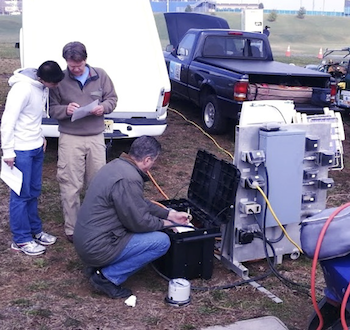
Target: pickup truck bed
{"points": [[255, 67]]}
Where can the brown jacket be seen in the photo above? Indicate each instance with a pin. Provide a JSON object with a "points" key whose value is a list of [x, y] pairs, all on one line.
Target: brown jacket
{"points": [[98, 86]]}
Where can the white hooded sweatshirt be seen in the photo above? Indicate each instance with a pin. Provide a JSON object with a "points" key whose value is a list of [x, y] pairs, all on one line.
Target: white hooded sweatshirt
{"points": [[21, 121]]}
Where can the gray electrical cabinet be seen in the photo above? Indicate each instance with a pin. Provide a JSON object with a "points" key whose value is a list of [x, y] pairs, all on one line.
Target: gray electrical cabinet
{"points": [[290, 163], [283, 173]]}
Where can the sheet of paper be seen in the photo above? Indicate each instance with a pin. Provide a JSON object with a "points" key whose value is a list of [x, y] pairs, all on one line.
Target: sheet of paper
{"points": [[84, 111], [12, 177], [181, 229]]}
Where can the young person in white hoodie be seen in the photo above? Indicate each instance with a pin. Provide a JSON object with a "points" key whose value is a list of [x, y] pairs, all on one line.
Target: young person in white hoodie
{"points": [[23, 146]]}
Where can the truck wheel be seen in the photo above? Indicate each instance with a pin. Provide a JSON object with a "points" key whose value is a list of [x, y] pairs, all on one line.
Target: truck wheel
{"points": [[213, 121]]}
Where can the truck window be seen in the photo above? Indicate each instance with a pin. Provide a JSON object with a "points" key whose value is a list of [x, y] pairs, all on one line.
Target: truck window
{"points": [[233, 47], [253, 48], [185, 46], [214, 46]]}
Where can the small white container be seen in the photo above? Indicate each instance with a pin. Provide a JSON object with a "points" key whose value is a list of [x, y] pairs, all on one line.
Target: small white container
{"points": [[179, 292]]}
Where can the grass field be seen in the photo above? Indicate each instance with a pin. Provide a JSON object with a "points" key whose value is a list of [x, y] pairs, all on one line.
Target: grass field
{"points": [[304, 36], [9, 35]]}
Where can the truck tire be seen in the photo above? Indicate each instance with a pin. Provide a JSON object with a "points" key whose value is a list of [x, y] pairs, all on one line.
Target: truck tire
{"points": [[213, 121]]}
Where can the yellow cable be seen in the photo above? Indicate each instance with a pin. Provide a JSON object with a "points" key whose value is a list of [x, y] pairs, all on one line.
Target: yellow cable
{"points": [[279, 223], [230, 155], [202, 130], [205, 133]]}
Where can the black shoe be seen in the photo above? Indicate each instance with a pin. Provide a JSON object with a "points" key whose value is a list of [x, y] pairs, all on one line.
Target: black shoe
{"points": [[69, 238], [101, 284], [89, 271]]}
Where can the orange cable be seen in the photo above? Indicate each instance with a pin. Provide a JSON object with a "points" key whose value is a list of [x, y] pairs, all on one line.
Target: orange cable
{"points": [[159, 204], [157, 186]]}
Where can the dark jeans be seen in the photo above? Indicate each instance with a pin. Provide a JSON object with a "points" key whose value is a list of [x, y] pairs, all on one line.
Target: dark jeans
{"points": [[24, 217], [141, 250]]}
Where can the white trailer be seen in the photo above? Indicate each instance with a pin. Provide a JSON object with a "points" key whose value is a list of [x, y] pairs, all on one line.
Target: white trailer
{"points": [[120, 37], [252, 20]]}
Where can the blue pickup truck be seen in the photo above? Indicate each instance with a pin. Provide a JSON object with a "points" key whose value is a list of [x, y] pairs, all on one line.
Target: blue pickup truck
{"points": [[218, 69]]}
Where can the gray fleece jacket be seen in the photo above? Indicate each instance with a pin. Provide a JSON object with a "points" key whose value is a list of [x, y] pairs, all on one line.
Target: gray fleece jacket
{"points": [[113, 210]]}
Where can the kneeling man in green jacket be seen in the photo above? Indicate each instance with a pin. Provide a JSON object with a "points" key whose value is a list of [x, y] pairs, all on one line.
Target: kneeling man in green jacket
{"points": [[118, 229]]}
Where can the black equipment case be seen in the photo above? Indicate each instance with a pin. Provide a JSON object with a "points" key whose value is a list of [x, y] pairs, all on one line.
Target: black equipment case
{"points": [[211, 199]]}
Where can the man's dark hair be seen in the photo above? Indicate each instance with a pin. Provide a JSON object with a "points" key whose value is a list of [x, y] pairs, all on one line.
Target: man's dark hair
{"points": [[144, 146], [74, 51], [50, 72]]}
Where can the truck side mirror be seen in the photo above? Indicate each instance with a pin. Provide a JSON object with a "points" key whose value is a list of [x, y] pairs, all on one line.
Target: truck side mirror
{"points": [[169, 48], [182, 51]]}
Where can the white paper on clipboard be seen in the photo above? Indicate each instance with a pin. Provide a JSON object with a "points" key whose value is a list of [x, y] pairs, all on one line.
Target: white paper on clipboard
{"points": [[84, 111], [12, 177]]}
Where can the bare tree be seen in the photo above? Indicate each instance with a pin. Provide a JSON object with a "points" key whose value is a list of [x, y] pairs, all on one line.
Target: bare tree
{"points": [[19, 4], [2, 7]]}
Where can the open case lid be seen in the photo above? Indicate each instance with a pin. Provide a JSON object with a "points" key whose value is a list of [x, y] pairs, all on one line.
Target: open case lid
{"points": [[213, 186]]}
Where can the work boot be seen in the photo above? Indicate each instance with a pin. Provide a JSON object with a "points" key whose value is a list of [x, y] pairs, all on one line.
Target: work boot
{"points": [[103, 285], [88, 271]]}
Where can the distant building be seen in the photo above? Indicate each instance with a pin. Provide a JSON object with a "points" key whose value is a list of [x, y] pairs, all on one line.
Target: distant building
{"points": [[312, 7], [309, 5], [230, 5], [180, 6], [204, 6]]}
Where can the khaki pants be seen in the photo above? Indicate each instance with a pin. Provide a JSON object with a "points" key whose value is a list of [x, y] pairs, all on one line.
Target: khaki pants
{"points": [[79, 158]]}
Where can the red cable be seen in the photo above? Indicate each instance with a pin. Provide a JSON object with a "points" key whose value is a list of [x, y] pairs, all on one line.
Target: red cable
{"points": [[314, 265]]}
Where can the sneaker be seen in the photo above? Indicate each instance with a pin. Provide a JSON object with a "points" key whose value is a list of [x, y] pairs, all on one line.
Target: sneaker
{"points": [[44, 238], [30, 248], [101, 284]]}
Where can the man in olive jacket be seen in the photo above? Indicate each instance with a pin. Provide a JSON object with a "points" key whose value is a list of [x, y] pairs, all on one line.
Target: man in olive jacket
{"points": [[117, 230]]}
